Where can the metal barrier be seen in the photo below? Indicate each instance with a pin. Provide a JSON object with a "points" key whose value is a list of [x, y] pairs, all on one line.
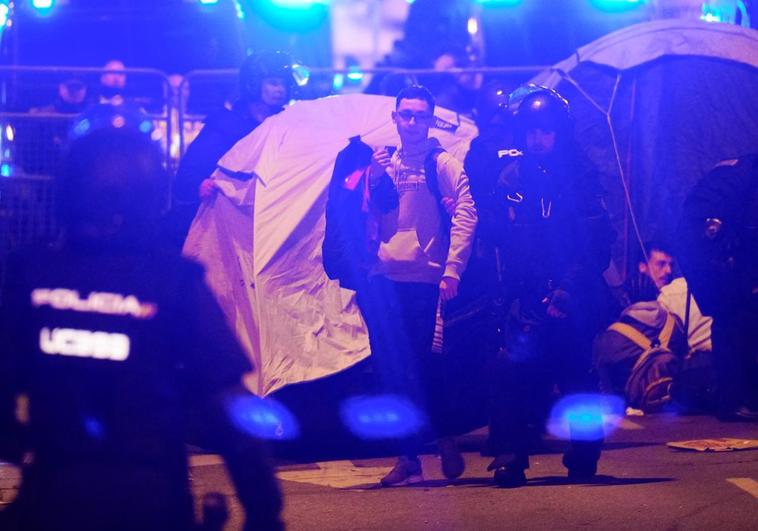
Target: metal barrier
{"points": [[36, 118]]}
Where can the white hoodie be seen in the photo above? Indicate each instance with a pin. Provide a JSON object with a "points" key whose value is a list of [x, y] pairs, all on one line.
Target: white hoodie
{"points": [[412, 245]]}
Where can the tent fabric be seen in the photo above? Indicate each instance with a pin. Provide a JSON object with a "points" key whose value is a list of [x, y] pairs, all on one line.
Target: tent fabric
{"points": [[641, 43], [657, 105], [260, 239]]}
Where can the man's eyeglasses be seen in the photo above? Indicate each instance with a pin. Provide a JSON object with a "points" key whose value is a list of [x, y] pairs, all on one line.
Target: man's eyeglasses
{"points": [[420, 117]]}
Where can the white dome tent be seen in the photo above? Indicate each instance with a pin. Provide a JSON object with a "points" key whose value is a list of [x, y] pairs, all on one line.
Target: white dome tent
{"points": [[260, 239], [656, 105]]}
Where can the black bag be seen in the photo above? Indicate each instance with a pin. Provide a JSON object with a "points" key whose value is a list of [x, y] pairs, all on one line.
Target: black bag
{"points": [[344, 247], [346, 253]]}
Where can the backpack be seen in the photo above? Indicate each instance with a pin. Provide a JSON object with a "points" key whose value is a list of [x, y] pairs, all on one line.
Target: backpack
{"points": [[648, 386]]}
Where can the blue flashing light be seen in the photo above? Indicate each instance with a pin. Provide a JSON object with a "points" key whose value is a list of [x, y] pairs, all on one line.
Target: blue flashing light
{"points": [[298, 4], [585, 417], [81, 127], [239, 10], [264, 418], [381, 417], [6, 170], [338, 83], [3, 16], [356, 77], [499, 3], [146, 126], [209, 2], [43, 4], [618, 5], [301, 74]]}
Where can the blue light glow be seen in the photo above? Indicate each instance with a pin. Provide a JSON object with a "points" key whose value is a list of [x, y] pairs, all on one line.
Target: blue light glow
{"points": [[264, 418], [498, 3], [338, 83], [381, 417], [238, 8], [94, 428], [618, 5], [6, 170], [43, 4], [81, 127], [585, 417], [301, 74], [146, 126], [208, 2], [355, 76], [3, 16], [298, 4]]}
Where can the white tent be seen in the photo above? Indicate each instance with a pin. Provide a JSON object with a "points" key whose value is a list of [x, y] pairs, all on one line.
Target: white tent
{"points": [[656, 105], [260, 239]]}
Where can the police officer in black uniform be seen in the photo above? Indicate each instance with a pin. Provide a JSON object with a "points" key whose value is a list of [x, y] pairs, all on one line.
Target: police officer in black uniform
{"points": [[545, 215], [267, 82], [718, 251], [121, 354]]}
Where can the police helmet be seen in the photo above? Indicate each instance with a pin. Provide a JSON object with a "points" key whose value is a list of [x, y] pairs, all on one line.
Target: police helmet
{"points": [[492, 104], [112, 182], [262, 65], [538, 107]]}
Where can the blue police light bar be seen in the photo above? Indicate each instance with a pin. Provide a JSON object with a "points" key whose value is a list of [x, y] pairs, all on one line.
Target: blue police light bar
{"points": [[42, 4], [618, 5], [298, 4], [499, 3]]}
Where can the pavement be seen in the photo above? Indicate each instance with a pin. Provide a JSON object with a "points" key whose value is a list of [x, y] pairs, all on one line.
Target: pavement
{"points": [[642, 484]]}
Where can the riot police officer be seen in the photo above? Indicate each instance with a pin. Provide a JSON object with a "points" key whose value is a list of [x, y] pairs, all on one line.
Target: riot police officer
{"points": [[121, 353], [545, 215], [718, 248], [266, 84]]}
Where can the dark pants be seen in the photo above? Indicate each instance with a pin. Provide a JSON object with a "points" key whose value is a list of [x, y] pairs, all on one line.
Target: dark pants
{"points": [[401, 317], [538, 355], [735, 348]]}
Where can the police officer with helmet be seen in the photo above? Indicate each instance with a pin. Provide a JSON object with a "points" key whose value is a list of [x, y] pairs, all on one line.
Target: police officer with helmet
{"points": [[545, 216], [121, 354], [267, 81]]}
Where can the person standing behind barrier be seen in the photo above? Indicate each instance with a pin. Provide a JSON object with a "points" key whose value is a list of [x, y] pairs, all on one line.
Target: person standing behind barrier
{"points": [[420, 260], [112, 84], [266, 84], [546, 216], [122, 354]]}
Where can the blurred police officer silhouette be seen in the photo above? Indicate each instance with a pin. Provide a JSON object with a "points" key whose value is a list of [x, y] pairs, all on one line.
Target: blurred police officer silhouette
{"points": [[121, 354]]}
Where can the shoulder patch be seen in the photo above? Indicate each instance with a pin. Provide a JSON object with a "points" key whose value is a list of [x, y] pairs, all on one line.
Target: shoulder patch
{"points": [[728, 162], [439, 123], [509, 153]]}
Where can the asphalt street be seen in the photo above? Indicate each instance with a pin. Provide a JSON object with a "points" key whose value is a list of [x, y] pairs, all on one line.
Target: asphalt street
{"points": [[642, 484]]}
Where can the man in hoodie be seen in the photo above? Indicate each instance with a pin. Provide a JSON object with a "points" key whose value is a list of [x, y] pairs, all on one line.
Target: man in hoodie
{"points": [[422, 253]]}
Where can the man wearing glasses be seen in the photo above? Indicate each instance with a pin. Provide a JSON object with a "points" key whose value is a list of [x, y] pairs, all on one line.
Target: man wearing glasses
{"points": [[423, 247]]}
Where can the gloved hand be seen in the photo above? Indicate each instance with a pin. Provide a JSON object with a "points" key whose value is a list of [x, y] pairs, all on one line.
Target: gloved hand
{"points": [[558, 303]]}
